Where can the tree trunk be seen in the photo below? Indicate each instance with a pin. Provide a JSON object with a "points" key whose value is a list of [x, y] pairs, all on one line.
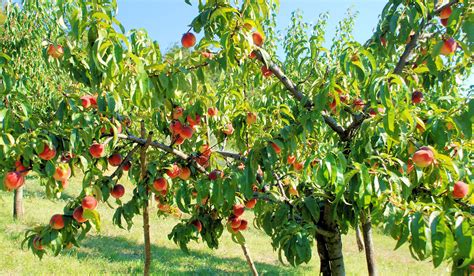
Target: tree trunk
{"points": [[360, 243], [146, 234], [369, 245], [146, 218], [324, 268], [249, 260], [18, 210], [330, 244], [336, 259]]}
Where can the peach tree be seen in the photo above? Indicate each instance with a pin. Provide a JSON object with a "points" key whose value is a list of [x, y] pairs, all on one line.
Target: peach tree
{"points": [[324, 141], [29, 91]]}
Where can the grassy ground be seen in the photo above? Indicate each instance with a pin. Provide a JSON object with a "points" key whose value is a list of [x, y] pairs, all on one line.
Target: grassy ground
{"points": [[116, 251]]}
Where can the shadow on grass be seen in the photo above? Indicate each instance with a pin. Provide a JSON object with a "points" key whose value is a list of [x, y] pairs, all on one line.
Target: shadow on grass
{"points": [[174, 261]]}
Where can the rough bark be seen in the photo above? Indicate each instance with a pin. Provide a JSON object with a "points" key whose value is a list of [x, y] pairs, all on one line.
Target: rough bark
{"points": [[249, 260], [324, 268], [368, 242], [18, 210], [330, 244]]}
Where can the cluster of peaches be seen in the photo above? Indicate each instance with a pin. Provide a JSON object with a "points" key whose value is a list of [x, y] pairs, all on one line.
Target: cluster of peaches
{"points": [[425, 157]]}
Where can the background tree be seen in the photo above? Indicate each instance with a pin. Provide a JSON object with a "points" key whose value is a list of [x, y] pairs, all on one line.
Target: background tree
{"points": [[321, 148], [30, 88]]}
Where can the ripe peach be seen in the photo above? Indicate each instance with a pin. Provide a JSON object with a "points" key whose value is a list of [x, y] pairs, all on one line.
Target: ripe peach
{"points": [[460, 189], [266, 71], [212, 111], [13, 180], [62, 172], [193, 122], [127, 166], [55, 51], [216, 174], [175, 127], [417, 97], [276, 148], [449, 46], [57, 222], [383, 41], [251, 203], [298, 166], [253, 55], [160, 184], [197, 224], [444, 22], [117, 191], [238, 210], [203, 160], [186, 132], [290, 159], [251, 118], [78, 214], [423, 157], [445, 13], [93, 99], [206, 150], [185, 173], [174, 171], [96, 150], [47, 153], [207, 54], [86, 102], [243, 225], [372, 112], [235, 222], [178, 140], [89, 202], [228, 129], [115, 159], [188, 40], [257, 39]]}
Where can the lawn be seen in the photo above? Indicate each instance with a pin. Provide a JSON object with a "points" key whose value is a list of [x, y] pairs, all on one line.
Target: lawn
{"points": [[117, 251]]}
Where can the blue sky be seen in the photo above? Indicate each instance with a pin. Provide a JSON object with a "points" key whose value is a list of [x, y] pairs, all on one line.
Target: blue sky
{"points": [[167, 20]]}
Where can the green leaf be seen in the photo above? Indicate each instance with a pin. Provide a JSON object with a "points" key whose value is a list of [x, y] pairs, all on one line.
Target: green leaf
{"points": [[93, 216], [313, 208]]}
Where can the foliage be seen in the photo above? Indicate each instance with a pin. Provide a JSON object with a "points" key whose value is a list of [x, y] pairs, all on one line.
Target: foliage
{"points": [[365, 90]]}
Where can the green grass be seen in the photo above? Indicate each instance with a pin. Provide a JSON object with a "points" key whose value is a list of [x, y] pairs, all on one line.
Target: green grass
{"points": [[117, 251]]}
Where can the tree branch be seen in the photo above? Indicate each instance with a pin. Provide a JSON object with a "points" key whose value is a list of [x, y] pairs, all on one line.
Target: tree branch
{"points": [[414, 39], [163, 147], [125, 160], [297, 94]]}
